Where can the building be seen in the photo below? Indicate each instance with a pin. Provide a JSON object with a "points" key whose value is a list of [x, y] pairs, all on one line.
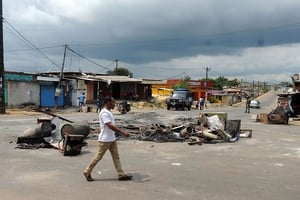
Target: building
{"points": [[165, 87], [31, 89], [51, 90]]}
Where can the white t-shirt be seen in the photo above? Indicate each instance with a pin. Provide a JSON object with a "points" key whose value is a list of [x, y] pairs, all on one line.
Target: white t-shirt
{"points": [[106, 134]]}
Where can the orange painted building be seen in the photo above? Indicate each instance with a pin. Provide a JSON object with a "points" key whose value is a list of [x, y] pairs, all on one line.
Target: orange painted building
{"points": [[196, 87]]}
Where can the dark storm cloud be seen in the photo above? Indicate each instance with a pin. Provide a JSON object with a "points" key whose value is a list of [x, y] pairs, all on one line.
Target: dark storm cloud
{"points": [[152, 33]]}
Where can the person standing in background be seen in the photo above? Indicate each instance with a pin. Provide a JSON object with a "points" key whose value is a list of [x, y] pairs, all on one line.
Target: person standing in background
{"points": [[81, 101], [248, 100]]}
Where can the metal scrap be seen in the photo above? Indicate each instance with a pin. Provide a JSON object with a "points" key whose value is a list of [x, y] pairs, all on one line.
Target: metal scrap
{"points": [[51, 132], [157, 133], [206, 130]]}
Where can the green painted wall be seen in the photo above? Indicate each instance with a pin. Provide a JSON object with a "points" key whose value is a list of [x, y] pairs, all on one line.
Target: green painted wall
{"points": [[18, 77]]}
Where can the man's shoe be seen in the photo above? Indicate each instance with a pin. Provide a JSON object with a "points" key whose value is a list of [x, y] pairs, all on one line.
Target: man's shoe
{"points": [[88, 176], [125, 177]]}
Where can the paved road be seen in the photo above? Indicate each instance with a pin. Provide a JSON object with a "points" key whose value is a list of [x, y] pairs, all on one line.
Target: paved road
{"points": [[262, 167]]}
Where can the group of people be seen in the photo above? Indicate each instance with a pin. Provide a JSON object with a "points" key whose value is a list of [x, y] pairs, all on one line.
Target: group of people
{"points": [[81, 100]]}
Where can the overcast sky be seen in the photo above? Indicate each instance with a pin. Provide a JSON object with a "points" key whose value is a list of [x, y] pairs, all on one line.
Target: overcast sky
{"points": [[161, 39]]}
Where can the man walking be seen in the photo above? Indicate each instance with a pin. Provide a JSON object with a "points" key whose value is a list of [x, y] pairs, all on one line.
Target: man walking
{"points": [[107, 141]]}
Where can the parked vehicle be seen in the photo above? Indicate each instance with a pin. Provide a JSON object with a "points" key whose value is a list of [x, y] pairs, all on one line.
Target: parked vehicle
{"points": [[123, 107], [181, 98], [254, 104]]}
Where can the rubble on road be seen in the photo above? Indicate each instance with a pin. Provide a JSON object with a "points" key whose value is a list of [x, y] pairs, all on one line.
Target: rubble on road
{"points": [[205, 130], [279, 115], [51, 132], [68, 136]]}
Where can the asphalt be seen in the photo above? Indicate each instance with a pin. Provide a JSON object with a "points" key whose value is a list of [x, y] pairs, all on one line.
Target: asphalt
{"points": [[262, 167]]}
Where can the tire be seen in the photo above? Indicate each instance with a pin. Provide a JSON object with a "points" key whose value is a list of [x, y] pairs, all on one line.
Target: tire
{"points": [[168, 107]]}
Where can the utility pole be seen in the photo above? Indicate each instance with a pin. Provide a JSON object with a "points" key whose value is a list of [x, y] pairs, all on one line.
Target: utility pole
{"points": [[58, 89], [2, 81], [258, 88], [117, 64], [241, 83], [206, 77]]}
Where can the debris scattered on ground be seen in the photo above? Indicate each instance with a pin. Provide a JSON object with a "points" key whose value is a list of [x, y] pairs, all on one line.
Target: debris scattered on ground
{"points": [[205, 130], [280, 115], [68, 136], [52, 132]]}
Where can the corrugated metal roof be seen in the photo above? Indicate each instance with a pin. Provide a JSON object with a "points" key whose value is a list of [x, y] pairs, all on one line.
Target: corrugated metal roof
{"points": [[45, 78], [109, 78], [232, 90], [152, 81], [119, 78], [87, 79]]}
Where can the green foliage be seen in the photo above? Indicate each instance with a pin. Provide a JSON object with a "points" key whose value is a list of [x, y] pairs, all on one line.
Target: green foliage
{"points": [[183, 83], [235, 82], [120, 71], [221, 81]]}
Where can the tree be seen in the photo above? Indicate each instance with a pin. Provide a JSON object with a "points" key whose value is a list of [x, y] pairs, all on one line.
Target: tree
{"points": [[120, 71], [220, 82], [233, 83], [183, 83]]}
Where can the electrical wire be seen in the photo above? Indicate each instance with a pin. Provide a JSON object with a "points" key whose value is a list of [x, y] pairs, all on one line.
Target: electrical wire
{"points": [[78, 54], [178, 75], [30, 44], [18, 50]]}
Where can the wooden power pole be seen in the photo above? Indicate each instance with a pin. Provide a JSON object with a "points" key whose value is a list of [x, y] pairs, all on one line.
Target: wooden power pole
{"points": [[2, 81], [206, 88]]}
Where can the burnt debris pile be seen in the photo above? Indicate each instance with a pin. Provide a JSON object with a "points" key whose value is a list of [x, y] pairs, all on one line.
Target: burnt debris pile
{"points": [[204, 130], [52, 132]]}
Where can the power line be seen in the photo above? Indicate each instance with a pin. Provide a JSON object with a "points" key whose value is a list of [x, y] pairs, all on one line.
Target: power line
{"points": [[214, 72], [30, 49], [78, 54], [30, 44], [182, 73]]}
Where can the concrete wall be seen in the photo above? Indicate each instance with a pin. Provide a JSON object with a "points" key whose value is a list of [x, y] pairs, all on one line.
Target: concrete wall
{"points": [[20, 92], [73, 92]]}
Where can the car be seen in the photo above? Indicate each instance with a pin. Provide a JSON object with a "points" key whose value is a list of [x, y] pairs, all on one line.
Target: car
{"points": [[254, 104], [181, 98]]}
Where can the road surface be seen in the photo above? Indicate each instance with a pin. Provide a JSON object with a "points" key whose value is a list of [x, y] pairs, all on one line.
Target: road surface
{"points": [[265, 166]]}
